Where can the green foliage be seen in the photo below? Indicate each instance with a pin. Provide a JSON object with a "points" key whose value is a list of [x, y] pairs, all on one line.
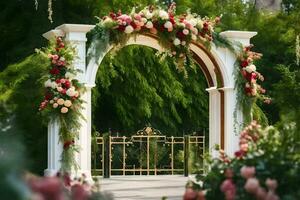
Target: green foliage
{"points": [[20, 95], [136, 88]]}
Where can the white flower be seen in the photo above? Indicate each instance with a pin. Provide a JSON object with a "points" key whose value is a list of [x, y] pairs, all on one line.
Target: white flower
{"points": [[47, 83], [51, 102], [59, 89], [55, 105], [195, 31], [144, 20], [200, 24], [69, 75], [71, 92], [62, 59], [185, 31], [68, 103], [64, 110], [176, 42], [168, 25], [149, 24], [250, 68], [194, 37], [129, 29], [163, 14], [60, 101], [53, 85], [182, 25], [183, 43], [193, 22], [148, 15]]}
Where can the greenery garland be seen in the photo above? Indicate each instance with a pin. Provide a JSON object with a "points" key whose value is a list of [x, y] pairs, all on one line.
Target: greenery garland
{"points": [[62, 98], [175, 34]]}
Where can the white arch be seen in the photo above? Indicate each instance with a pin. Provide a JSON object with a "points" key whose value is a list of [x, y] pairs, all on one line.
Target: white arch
{"points": [[150, 41], [219, 97]]}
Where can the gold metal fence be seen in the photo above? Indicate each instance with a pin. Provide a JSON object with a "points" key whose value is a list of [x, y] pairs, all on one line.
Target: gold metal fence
{"points": [[148, 152]]}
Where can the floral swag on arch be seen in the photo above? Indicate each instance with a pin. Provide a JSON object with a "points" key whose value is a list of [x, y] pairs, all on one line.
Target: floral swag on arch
{"points": [[174, 32]]}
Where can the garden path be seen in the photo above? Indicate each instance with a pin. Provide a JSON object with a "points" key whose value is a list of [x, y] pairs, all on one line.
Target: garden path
{"points": [[145, 187]]}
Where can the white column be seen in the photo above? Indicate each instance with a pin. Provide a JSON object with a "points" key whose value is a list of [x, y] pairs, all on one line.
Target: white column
{"points": [[231, 136], [76, 35], [214, 119], [54, 148]]}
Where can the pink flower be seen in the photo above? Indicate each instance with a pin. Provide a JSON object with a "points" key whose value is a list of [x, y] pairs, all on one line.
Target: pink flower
{"points": [[244, 147], [251, 185], [261, 193], [247, 172], [228, 188], [271, 184], [78, 192], [190, 194], [271, 196], [227, 185], [55, 57]]}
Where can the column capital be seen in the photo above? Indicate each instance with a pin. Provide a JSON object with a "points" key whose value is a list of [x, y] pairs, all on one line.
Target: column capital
{"points": [[211, 89], [239, 36], [75, 32], [226, 89]]}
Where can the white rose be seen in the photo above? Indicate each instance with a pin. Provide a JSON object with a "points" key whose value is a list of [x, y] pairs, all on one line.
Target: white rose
{"points": [[176, 42], [144, 20], [163, 14], [250, 68], [168, 25], [183, 43], [200, 24], [60, 101], [62, 59], [70, 92], [194, 37], [195, 31], [64, 110], [47, 83], [51, 102], [53, 85], [193, 22], [185, 31], [59, 89], [68, 103], [129, 29], [55, 105], [149, 25], [148, 15]]}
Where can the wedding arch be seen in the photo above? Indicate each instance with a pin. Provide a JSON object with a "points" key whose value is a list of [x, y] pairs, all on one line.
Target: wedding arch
{"points": [[218, 63]]}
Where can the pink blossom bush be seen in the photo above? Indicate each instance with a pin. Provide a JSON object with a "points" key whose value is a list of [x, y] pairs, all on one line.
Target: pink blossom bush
{"points": [[263, 168]]}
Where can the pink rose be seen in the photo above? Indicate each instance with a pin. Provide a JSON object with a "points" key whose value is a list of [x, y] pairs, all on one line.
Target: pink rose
{"points": [[261, 193], [228, 188], [227, 185], [244, 147], [271, 196], [247, 172], [271, 184], [251, 185], [190, 194]]}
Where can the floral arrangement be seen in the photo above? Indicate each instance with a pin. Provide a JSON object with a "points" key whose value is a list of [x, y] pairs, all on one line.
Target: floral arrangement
{"points": [[62, 97], [253, 173], [175, 32], [63, 188], [251, 76]]}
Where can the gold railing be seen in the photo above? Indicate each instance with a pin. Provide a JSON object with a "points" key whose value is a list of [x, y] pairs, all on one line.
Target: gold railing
{"points": [[152, 154]]}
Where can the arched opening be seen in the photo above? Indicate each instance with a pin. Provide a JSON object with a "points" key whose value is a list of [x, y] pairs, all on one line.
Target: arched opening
{"points": [[204, 60]]}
